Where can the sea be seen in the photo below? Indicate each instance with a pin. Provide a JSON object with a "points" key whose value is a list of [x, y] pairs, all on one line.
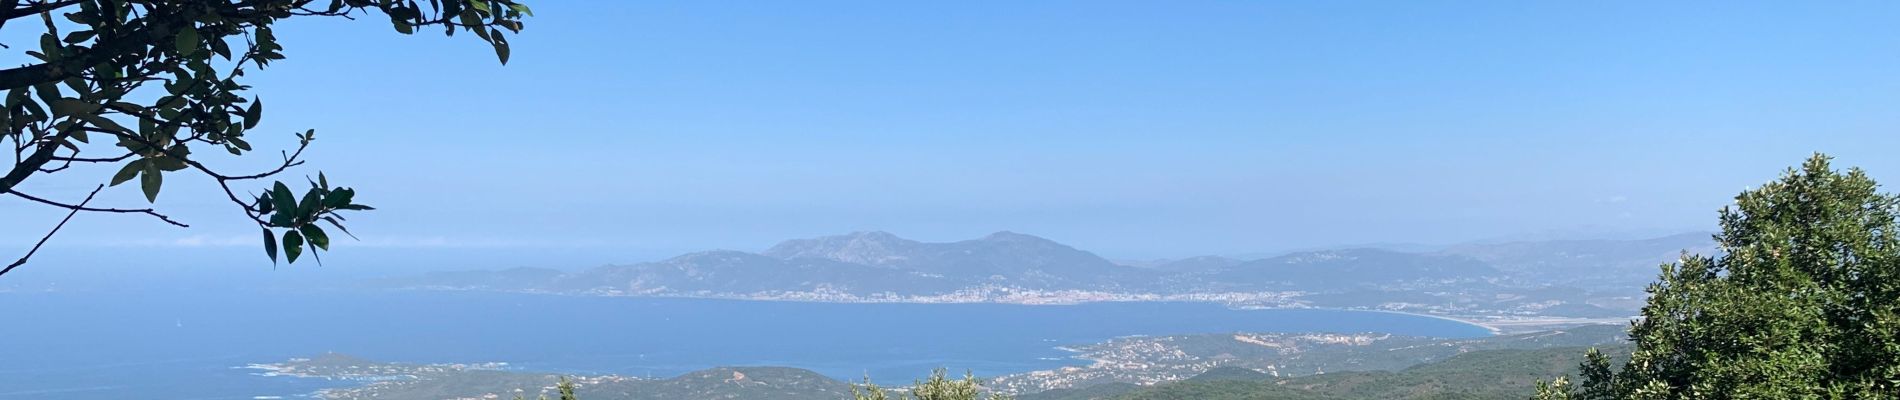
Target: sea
{"points": [[152, 338]]}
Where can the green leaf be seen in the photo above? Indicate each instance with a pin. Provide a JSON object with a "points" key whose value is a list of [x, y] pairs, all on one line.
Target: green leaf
{"points": [[47, 91], [293, 245], [49, 46], [187, 40], [150, 180], [81, 18], [66, 107], [312, 200], [339, 198], [316, 236], [79, 135], [103, 123], [80, 36], [263, 203], [253, 114], [168, 163], [282, 199], [339, 226], [148, 127], [282, 218], [501, 48], [473, 21], [129, 171], [270, 245]]}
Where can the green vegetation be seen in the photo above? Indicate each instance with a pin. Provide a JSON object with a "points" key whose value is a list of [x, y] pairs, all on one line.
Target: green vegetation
{"points": [[1804, 305], [565, 388], [938, 387], [140, 84], [394, 381], [1166, 358], [421, 382], [1487, 374]]}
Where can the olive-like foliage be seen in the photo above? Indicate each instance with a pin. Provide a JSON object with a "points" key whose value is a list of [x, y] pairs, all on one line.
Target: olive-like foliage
{"points": [[1802, 303], [156, 87]]}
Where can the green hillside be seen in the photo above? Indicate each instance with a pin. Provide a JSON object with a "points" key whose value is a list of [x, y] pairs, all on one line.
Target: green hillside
{"points": [[1487, 374]]}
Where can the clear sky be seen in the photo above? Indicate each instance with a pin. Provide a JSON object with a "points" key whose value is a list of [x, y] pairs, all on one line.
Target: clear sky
{"points": [[629, 130]]}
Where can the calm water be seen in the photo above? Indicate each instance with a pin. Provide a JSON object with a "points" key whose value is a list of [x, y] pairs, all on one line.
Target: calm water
{"points": [[185, 346]]}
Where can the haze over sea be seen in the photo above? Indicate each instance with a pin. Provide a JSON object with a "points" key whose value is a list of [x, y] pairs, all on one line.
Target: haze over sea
{"points": [[187, 344]]}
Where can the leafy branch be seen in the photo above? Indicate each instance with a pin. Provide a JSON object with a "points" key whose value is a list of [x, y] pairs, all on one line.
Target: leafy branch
{"points": [[153, 80]]}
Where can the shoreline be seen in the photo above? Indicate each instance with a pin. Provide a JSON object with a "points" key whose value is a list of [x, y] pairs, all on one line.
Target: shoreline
{"points": [[1495, 324], [1494, 330], [1072, 355]]}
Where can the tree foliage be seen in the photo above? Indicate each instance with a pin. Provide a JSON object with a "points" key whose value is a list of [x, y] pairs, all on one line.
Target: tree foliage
{"points": [[1803, 304], [564, 388], [155, 86], [938, 387]]}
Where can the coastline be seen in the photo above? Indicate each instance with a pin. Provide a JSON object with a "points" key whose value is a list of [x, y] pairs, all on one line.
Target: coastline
{"points": [[1495, 324], [1473, 322], [1070, 363], [1504, 325]]}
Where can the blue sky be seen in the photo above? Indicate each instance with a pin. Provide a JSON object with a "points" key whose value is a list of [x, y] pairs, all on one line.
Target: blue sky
{"points": [[626, 131]]}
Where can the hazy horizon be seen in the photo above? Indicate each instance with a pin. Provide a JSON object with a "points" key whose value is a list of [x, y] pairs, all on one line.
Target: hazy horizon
{"points": [[216, 264]]}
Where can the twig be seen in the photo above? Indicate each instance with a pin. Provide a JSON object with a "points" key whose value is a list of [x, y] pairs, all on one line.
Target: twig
{"points": [[49, 234], [82, 207]]}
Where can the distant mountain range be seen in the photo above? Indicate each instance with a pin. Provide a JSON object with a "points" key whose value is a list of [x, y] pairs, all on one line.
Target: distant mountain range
{"points": [[1587, 263], [1499, 278]]}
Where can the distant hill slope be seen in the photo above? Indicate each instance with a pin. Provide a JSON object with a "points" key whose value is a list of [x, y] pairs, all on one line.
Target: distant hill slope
{"points": [[1588, 263], [740, 272], [1486, 374], [1147, 360], [400, 381], [1197, 264], [1006, 258], [1351, 268]]}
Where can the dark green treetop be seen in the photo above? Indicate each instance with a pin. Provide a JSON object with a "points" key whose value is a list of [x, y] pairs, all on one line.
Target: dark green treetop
{"points": [[1803, 304]]}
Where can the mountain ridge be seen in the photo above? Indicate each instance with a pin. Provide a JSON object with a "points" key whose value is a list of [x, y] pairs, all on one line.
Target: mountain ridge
{"points": [[1511, 279]]}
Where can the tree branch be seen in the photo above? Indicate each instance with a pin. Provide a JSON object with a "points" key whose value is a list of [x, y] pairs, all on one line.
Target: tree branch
{"points": [[223, 181], [49, 234], [14, 10], [33, 162], [82, 207], [121, 157], [105, 49], [9, 6]]}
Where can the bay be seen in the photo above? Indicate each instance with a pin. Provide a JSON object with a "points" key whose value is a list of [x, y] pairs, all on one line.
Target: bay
{"points": [[191, 344]]}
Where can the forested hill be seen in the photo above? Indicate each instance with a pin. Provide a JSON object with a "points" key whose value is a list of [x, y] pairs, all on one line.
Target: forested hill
{"points": [[1479, 375]]}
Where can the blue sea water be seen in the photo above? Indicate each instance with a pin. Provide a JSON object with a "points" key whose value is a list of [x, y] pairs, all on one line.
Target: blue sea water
{"points": [[190, 344]]}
